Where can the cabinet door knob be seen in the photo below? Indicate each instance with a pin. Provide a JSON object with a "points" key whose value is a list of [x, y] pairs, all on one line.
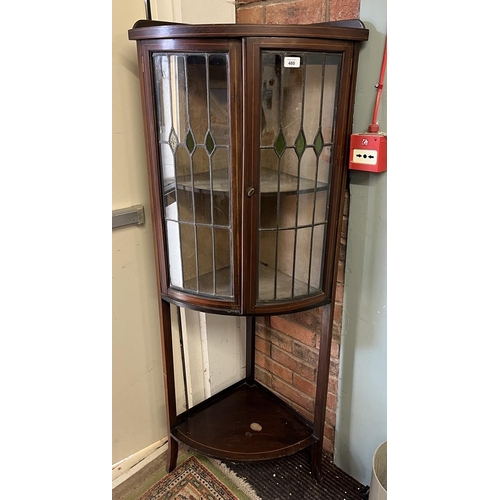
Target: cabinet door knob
{"points": [[250, 191]]}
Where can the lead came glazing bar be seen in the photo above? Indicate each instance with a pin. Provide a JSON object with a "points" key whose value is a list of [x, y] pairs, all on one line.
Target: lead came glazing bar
{"points": [[208, 145], [191, 146], [280, 146], [299, 152], [316, 179]]}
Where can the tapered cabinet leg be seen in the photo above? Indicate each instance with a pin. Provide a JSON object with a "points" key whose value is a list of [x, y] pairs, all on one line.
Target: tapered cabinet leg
{"points": [[172, 452], [168, 374], [316, 456], [321, 389]]}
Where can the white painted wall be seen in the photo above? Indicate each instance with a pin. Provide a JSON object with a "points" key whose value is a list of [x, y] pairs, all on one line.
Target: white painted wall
{"points": [[362, 408], [138, 417]]}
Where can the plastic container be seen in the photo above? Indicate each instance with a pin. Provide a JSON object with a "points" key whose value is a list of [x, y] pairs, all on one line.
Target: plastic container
{"points": [[378, 485]]}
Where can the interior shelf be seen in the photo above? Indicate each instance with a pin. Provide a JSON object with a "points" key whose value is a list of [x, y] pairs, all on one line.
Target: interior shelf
{"points": [[224, 426], [266, 284], [268, 182]]}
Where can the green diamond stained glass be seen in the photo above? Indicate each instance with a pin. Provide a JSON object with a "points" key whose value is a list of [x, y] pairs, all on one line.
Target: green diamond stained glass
{"points": [[280, 144], [300, 143], [209, 142], [190, 141], [318, 143]]}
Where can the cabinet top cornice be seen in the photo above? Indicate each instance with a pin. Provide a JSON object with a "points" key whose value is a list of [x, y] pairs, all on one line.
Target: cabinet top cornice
{"points": [[353, 29]]}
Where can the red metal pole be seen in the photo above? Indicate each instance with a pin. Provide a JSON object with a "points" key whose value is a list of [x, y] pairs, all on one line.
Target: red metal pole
{"points": [[373, 128]]}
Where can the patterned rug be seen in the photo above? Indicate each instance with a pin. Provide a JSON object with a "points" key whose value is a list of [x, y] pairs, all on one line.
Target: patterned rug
{"points": [[199, 478]]}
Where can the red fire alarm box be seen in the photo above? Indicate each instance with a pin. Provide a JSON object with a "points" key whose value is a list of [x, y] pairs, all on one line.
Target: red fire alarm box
{"points": [[368, 152]]}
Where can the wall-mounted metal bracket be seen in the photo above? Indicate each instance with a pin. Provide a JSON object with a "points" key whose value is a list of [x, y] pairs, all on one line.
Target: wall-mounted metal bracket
{"points": [[128, 216]]}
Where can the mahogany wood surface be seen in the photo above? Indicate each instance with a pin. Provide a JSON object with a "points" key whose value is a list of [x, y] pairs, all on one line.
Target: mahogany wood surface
{"points": [[226, 428], [247, 422]]}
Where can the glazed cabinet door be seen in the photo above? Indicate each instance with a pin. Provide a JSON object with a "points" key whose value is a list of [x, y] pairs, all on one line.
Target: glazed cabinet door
{"points": [[299, 91], [193, 126]]}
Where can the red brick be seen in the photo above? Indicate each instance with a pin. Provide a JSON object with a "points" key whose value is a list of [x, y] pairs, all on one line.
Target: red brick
{"points": [[262, 345], [347, 197], [342, 250], [343, 232], [280, 371], [250, 15], [331, 416], [328, 446], [297, 12], [261, 321], [329, 432], [333, 384], [263, 377], [305, 386], [275, 337], [310, 319], [331, 401], [305, 353], [335, 350], [294, 330], [293, 394], [273, 367], [307, 414], [334, 367], [336, 331], [339, 293], [295, 364], [261, 360], [337, 313], [344, 9], [341, 272]]}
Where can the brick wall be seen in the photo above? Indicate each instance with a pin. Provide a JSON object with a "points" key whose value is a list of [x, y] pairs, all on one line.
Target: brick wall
{"points": [[295, 11], [287, 346]]}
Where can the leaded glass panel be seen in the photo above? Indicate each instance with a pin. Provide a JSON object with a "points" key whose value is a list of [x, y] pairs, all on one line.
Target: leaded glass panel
{"points": [[194, 144], [298, 108]]}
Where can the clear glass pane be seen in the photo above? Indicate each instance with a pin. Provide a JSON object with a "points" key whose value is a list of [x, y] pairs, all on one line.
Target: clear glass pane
{"points": [[308, 169], [205, 259], [303, 245], [188, 256], [267, 256], [324, 168], [223, 264], [178, 91], [312, 96], [332, 63], [293, 78], [317, 257], [286, 244], [289, 171], [306, 208], [270, 85], [220, 187], [196, 68], [174, 254], [167, 163], [268, 171], [321, 207], [164, 97], [288, 211], [219, 118]]}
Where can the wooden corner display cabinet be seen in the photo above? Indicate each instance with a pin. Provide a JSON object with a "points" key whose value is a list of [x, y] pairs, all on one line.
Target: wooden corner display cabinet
{"points": [[247, 136]]}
